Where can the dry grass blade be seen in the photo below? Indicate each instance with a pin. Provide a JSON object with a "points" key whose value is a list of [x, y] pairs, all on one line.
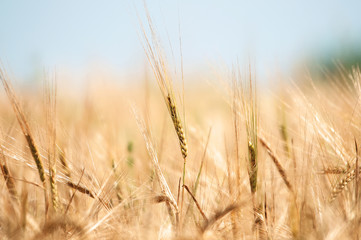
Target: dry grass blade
{"points": [[196, 202], [202, 162], [80, 189], [178, 192], [153, 155], [73, 195], [277, 163]]}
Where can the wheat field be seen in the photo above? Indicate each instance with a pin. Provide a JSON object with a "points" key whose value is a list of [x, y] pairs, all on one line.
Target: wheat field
{"points": [[171, 159]]}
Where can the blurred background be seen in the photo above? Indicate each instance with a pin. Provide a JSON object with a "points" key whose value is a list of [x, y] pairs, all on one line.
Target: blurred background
{"points": [[81, 37]]}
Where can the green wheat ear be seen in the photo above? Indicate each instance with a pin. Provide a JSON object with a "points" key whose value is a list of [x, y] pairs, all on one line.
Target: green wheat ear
{"points": [[130, 159], [178, 127]]}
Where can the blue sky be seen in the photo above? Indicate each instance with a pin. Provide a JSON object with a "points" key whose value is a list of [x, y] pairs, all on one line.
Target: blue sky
{"points": [[77, 35]]}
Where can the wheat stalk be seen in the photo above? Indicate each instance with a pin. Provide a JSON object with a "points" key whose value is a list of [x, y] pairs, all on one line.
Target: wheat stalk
{"points": [[25, 129], [155, 56], [277, 163], [245, 101], [50, 112], [154, 157]]}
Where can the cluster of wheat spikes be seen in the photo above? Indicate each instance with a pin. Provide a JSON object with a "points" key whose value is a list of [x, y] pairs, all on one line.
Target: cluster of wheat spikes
{"points": [[156, 59], [245, 165]]}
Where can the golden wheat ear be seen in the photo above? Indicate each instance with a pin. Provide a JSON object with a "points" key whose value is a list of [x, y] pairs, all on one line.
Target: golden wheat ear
{"points": [[156, 58], [245, 108], [10, 184], [342, 184], [25, 129], [178, 126], [50, 91]]}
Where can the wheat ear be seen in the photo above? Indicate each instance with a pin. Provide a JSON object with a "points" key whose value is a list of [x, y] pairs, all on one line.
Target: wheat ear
{"points": [[10, 184], [25, 129], [50, 111], [154, 52], [154, 157], [277, 163], [340, 186]]}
